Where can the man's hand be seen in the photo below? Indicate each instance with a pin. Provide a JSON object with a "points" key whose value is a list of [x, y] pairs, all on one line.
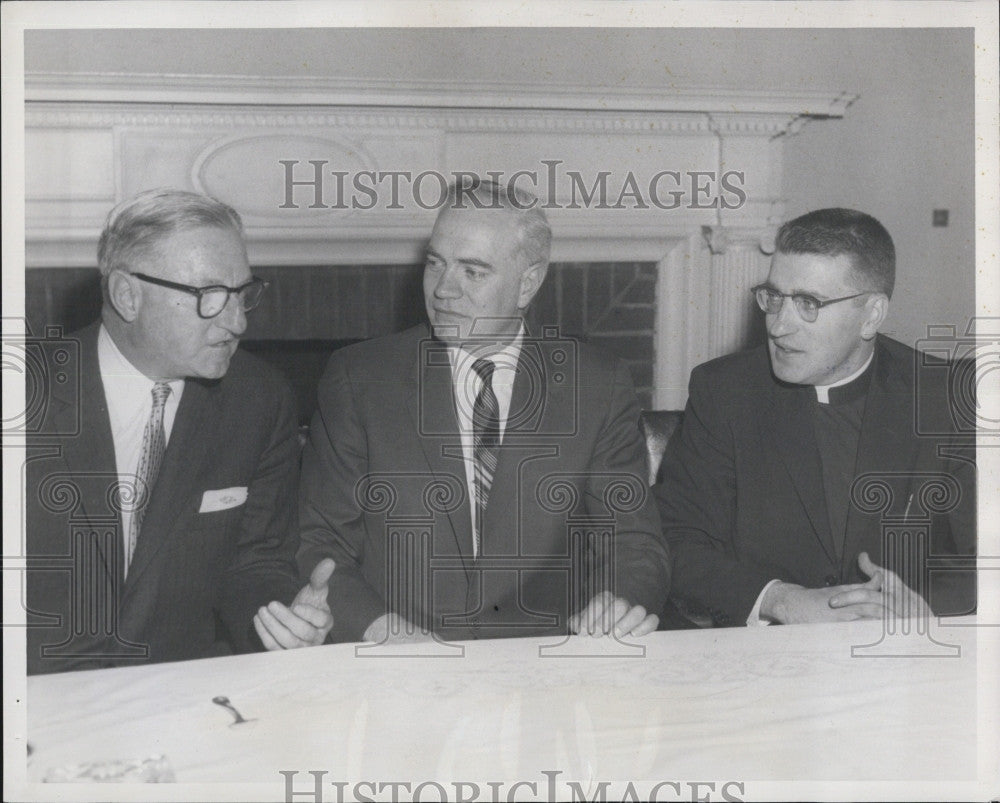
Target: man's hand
{"points": [[391, 628], [307, 623], [884, 592], [606, 613], [790, 604]]}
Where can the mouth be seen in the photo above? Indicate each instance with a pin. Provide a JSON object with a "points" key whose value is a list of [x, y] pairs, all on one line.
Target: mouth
{"points": [[781, 348]]}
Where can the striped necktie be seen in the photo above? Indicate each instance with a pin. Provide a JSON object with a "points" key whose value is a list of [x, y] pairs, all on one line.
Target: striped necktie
{"points": [[486, 442], [153, 445]]}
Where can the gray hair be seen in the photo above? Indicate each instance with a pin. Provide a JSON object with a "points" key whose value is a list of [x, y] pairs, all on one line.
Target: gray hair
{"points": [[535, 233], [134, 226]]}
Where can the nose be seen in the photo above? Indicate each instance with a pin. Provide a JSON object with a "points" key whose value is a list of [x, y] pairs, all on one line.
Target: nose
{"points": [[233, 318], [447, 285], [784, 321]]}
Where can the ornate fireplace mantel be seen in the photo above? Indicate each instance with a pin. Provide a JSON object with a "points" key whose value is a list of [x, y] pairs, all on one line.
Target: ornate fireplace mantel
{"points": [[687, 178]]}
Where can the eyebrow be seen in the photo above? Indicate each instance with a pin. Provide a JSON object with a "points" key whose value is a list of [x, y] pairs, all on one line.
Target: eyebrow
{"points": [[477, 263], [794, 292], [466, 261], [220, 283]]}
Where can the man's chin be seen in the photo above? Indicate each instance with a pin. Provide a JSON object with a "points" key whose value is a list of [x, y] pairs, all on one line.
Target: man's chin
{"points": [[784, 372], [215, 368]]}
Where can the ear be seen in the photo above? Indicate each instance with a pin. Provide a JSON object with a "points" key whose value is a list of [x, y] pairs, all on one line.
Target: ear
{"points": [[531, 280], [124, 295], [877, 307]]}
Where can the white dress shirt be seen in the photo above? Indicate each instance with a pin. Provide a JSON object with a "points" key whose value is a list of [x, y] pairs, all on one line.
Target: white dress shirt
{"points": [[129, 394], [466, 384], [823, 397]]}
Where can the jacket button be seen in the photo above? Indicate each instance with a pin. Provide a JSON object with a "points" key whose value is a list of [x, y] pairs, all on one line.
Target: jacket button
{"points": [[830, 580]]}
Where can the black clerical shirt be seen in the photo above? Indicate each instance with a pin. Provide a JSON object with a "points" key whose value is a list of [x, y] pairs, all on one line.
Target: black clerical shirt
{"points": [[837, 425]]}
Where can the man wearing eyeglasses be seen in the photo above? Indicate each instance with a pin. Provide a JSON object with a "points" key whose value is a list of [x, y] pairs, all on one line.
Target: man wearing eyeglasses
{"points": [[180, 533], [756, 499]]}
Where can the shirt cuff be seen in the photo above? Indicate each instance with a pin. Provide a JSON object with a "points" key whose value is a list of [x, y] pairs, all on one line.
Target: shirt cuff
{"points": [[755, 619]]}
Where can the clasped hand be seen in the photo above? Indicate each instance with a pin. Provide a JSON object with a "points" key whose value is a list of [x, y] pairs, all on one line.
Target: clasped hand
{"points": [[884, 594], [606, 613]]}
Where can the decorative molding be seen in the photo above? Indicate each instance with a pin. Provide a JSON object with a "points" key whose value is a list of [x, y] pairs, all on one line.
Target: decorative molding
{"points": [[322, 92], [372, 245], [715, 238], [78, 115], [217, 133], [754, 125], [721, 238], [733, 273], [219, 168], [681, 268]]}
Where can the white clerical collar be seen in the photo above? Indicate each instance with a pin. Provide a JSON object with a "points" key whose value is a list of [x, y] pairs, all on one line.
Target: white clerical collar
{"points": [[823, 391]]}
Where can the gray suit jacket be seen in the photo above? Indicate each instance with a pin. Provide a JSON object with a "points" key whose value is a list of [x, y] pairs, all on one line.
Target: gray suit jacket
{"points": [[384, 493]]}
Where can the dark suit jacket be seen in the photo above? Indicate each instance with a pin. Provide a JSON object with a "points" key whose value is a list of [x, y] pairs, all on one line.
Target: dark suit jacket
{"points": [[195, 577], [742, 497], [383, 468]]}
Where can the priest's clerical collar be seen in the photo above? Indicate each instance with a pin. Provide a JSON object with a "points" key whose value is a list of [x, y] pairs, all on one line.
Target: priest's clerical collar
{"points": [[847, 389]]}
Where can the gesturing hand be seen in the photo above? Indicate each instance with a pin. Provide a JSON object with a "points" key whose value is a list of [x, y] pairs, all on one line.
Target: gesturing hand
{"points": [[307, 623]]}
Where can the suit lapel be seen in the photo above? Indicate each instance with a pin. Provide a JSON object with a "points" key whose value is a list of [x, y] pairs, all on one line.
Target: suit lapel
{"points": [[539, 408], [89, 454], [431, 405], [191, 438], [788, 426], [529, 400]]}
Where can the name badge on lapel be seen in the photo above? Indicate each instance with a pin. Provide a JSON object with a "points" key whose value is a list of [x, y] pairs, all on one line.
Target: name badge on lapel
{"points": [[223, 499]]}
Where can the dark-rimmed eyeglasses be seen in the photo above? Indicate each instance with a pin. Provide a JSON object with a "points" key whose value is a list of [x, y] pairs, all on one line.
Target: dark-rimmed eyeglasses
{"points": [[213, 298], [808, 307]]}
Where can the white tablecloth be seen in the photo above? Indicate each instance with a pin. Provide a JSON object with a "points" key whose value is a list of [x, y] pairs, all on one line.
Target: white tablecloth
{"points": [[779, 703]]}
